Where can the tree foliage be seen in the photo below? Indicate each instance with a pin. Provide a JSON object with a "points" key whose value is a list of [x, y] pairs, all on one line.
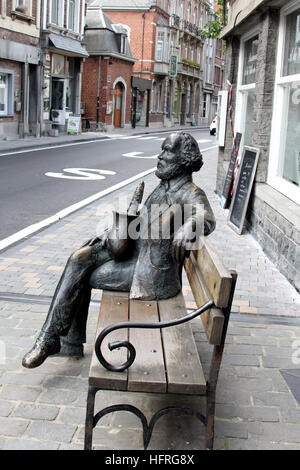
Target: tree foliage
{"points": [[212, 29]]}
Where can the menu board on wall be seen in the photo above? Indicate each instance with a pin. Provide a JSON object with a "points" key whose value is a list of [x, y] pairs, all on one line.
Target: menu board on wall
{"points": [[242, 188]]}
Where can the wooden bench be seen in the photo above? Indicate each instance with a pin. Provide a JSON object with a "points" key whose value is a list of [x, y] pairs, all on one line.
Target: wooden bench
{"points": [[167, 360]]}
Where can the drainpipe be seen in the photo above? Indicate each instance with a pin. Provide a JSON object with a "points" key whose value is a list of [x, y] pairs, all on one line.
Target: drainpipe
{"points": [[142, 64], [224, 13], [98, 91]]}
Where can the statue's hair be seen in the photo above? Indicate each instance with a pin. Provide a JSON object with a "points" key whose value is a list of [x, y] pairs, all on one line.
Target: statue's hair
{"points": [[190, 153]]}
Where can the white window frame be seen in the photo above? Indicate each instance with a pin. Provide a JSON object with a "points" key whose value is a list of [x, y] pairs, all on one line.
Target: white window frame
{"points": [[70, 26], [5, 87], [60, 14], [280, 95], [242, 90], [9, 93], [159, 53]]}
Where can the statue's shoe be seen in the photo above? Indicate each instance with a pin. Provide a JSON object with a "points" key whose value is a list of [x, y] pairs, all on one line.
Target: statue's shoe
{"points": [[45, 345]]}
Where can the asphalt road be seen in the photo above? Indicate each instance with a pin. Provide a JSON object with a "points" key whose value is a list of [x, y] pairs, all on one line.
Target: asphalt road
{"points": [[35, 185]]}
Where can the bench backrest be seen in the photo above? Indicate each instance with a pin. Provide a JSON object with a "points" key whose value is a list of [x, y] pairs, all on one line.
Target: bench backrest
{"points": [[209, 280]]}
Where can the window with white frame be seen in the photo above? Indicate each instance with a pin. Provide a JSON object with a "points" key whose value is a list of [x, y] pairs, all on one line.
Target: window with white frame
{"points": [[6, 93], [56, 12], [159, 46], [71, 14], [246, 86], [284, 159], [3, 94]]}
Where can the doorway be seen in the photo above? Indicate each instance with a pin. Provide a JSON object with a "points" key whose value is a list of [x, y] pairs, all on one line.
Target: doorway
{"points": [[118, 105]]}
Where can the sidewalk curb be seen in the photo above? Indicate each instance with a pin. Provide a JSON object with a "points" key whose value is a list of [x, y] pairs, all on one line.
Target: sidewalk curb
{"points": [[36, 145]]}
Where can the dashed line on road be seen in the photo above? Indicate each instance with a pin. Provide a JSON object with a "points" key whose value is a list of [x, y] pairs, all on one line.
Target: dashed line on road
{"points": [[12, 239]]}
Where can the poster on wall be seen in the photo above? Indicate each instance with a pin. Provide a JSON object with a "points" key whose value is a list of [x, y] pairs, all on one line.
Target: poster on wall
{"points": [[73, 125], [109, 107]]}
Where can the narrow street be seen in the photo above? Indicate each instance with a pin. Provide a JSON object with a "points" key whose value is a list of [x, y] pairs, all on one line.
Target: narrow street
{"points": [[35, 185]]}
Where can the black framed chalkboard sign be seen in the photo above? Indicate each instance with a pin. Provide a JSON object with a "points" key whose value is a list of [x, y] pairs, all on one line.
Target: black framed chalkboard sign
{"points": [[242, 188]]}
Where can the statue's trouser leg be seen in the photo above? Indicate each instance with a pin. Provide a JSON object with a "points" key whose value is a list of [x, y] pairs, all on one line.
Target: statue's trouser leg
{"points": [[69, 308]]}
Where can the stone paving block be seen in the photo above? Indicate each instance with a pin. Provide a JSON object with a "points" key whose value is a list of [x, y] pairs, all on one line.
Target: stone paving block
{"points": [[254, 350], [255, 340], [46, 431], [6, 407], [20, 393], [60, 383], [58, 397], [278, 362], [12, 426], [27, 444], [250, 413], [274, 399], [279, 432], [259, 444], [230, 429], [22, 379], [36, 412]]}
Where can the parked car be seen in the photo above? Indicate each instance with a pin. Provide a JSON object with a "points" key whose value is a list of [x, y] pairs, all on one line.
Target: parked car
{"points": [[213, 126]]}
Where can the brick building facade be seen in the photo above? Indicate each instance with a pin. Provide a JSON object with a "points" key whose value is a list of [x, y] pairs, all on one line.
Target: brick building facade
{"points": [[263, 64], [106, 81], [19, 68], [157, 31], [62, 56]]}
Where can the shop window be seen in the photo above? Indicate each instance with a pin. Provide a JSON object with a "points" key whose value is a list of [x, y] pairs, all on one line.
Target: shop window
{"points": [[6, 93], [58, 64], [245, 105], [284, 160]]}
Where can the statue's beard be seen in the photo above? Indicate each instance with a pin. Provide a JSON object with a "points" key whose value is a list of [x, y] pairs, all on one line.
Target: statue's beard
{"points": [[169, 172]]}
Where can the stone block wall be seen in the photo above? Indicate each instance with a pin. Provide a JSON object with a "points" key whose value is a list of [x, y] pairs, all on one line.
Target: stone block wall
{"points": [[271, 217]]}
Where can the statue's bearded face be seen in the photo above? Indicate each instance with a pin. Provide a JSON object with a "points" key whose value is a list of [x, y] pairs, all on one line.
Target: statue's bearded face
{"points": [[169, 160]]}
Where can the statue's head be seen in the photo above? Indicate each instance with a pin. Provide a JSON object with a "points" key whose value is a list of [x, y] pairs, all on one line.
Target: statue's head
{"points": [[180, 155]]}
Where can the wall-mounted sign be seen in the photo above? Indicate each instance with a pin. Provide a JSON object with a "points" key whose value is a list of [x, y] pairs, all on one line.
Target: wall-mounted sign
{"points": [[173, 65]]}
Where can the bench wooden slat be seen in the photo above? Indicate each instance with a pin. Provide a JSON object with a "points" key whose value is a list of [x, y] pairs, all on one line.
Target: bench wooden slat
{"points": [[114, 309], [184, 369], [213, 319], [147, 373], [215, 275]]}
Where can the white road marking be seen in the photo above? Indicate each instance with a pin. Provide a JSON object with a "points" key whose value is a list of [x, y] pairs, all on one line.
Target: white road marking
{"points": [[68, 210], [146, 138], [138, 155], [86, 174], [204, 141]]}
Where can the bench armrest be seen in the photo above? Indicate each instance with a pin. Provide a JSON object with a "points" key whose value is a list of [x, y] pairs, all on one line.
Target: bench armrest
{"points": [[129, 346]]}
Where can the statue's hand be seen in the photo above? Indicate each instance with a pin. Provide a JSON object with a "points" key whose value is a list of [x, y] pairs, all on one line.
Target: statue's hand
{"points": [[181, 244]]}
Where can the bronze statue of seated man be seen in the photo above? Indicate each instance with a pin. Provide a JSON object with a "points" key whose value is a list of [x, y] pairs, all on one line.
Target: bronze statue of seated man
{"points": [[148, 266]]}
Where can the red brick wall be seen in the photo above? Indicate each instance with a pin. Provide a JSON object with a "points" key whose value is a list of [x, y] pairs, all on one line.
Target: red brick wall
{"points": [[118, 68], [16, 68], [142, 35]]}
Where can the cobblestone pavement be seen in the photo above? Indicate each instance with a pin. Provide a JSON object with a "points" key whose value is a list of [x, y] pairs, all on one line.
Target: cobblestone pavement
{"points": [[44, 408]]}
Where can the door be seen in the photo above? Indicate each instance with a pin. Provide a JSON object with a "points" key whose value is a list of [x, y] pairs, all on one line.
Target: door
{"points": [[118, 106], [58, 101]]}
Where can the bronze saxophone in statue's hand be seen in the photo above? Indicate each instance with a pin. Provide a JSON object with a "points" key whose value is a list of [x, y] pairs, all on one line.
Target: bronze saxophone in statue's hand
{"points": [[119, 244]]}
